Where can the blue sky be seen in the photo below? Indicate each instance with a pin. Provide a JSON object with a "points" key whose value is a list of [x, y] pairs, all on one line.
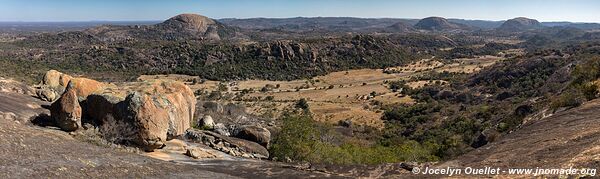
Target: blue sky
{"points": [[86, 10]]}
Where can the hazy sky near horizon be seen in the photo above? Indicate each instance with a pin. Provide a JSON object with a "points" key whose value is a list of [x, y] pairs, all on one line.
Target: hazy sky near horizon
{"points": [[123, 10]]}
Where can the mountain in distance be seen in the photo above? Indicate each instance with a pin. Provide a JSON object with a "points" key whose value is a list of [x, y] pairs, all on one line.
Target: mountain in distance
{"points": [[193, 25], [353, 23], [400, 27], [579, 25], [482, 24], [520, 24], [228, 28], [183, 26], [314, 23], [439, 24]]}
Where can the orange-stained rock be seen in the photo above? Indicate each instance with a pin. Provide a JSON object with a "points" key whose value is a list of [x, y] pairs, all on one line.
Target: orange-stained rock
{"points": [[151, 117], [162, 110], [84, 87], [146, 113], [66, 111]]}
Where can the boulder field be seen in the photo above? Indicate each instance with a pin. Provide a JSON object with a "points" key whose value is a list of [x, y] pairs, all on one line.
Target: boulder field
{"points": [[140, 113]]}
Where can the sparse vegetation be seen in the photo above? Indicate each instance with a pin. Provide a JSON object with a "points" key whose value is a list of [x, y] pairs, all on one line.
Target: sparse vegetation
{"points": [[301, 139]]}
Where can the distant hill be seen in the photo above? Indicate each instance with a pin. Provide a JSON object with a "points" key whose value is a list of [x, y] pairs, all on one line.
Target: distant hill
{"points": [[62, 26], [400, 27], [344, 24], [297, 24], [352, 24], [184, 26], [520, 24], [439, 24], [584, 26], [482, 24]]}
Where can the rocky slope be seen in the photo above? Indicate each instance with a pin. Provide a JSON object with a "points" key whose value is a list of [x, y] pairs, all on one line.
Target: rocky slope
{"points": [[569, 138], [520, 24], [439, 24], [17, 103]]}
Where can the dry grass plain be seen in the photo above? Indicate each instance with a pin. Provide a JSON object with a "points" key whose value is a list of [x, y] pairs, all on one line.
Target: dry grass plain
{"points": [[345, 95]]}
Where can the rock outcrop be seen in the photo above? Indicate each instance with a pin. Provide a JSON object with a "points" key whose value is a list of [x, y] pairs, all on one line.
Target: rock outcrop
{"points": [[199, 153], [17, 103], [520, 24], [189, 22], [229, 145], [144, 113], [180, 27], [256, 134]]}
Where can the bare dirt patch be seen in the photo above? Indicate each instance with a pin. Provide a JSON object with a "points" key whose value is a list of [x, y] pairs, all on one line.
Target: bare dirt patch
{"points": [[469, 65]]}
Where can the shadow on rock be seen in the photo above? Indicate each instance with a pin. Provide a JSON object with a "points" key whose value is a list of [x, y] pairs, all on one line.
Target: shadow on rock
{"points": [[43, 120]]}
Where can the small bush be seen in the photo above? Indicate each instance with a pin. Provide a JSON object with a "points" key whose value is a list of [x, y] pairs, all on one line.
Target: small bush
{"points": [[269, 98], [302, 104], [567, 99]]}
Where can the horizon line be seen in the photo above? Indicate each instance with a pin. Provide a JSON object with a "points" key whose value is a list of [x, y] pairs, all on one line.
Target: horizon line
{"points": [[259, 17]]}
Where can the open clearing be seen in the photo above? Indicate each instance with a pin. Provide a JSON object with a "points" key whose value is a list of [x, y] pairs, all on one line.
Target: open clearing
{"points": [[346, 95]]}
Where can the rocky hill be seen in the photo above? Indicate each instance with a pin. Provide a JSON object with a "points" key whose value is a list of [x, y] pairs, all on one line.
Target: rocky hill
{"points": [[183, 26], [520, 24], [293, 59], [439, 24]]}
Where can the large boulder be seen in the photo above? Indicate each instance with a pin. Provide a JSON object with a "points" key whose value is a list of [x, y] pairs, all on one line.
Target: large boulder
{"points": [[206, 122], [156, 110], [144, 113], [67, 112], [56, 79], [84, 87], [53, 85], [256, 134]]}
